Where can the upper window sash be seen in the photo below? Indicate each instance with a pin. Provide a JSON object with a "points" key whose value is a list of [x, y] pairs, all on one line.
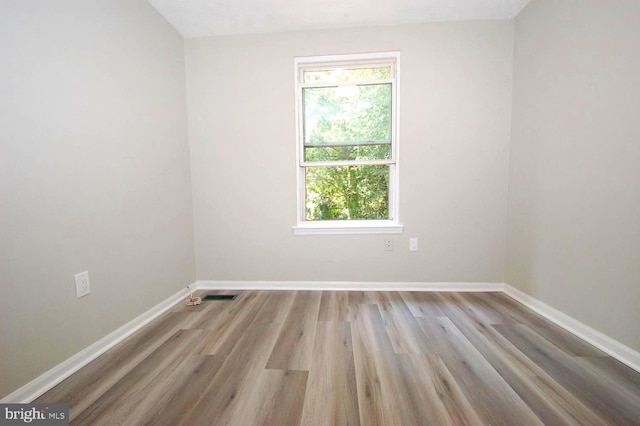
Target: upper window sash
{"points": [[368, 144]]}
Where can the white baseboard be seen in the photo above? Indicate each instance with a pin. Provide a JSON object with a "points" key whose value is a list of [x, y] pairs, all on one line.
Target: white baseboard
{"points": [[606, 344], [348, 285], [57, 374]]}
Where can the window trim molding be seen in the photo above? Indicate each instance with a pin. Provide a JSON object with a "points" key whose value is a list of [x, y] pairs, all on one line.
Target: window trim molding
{"points": [[352, 227]]}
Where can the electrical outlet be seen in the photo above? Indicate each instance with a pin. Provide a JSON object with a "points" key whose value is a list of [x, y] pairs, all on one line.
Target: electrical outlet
{"points": [[82, 284], [388, 244], [413, 244]]}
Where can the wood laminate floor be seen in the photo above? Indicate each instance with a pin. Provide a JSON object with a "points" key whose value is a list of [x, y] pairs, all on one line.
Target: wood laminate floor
{"points": [[352, 358]]}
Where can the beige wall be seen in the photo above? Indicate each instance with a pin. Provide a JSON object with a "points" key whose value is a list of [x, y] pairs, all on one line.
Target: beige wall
{"points": [[454, 135], [94, 175], [574, 195]]}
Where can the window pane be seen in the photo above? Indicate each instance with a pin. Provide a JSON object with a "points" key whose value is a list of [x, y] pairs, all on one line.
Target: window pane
{"points": [[335, 116], [338, 75], [347, 152], [347, 192]]}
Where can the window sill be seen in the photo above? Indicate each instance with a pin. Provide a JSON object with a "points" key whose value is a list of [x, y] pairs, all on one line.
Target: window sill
{"points": [[348, 228]]}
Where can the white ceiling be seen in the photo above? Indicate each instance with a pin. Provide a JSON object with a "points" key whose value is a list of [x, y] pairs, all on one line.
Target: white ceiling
{"points": [[201, 18]]}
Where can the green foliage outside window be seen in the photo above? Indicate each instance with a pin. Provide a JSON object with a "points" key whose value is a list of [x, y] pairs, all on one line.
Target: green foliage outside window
{"points": [[347, 192], [347, 123]]}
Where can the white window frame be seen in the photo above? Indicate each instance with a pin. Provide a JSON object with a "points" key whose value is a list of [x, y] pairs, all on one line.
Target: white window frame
{"points": [[319, 227]]}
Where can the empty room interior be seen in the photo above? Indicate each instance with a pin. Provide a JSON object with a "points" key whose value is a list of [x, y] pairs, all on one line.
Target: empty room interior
{"points": [[420, 212]]}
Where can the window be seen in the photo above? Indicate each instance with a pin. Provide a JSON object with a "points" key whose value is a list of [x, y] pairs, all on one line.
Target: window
{"points": [[347, 144]]}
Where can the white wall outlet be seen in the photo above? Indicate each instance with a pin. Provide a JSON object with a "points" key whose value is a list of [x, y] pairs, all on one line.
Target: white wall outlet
{"points": [[82, 284], [413, 244], [388, 244]]}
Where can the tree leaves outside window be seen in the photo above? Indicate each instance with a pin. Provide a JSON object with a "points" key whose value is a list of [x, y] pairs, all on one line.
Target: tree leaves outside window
{"points": [[350, 122]]}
